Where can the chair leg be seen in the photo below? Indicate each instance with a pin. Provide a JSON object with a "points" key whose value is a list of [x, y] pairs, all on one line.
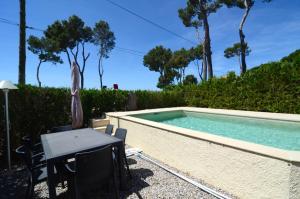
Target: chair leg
{"points": [[117, 194], [30, 188], [129, 173], [71, 190]]}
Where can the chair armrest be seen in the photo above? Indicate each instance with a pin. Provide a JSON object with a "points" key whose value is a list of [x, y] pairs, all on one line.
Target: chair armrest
{"points": [[37, 155], [39, 166], [69, 169]]}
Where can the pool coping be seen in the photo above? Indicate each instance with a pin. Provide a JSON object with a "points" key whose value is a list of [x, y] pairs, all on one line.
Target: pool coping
{"points": [[286, 155]]}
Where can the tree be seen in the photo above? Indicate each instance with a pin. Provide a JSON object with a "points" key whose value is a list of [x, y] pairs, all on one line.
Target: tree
{"points": [[246, 5], [196, 54], [190, 79], [105, 40], [41, 48], [236, 50], [179, 61], [22, 43], [158, 60], [70, 36], [195, 14]]}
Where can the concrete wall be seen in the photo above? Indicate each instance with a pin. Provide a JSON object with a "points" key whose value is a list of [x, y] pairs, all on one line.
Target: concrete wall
{"points": [[239, 172]]}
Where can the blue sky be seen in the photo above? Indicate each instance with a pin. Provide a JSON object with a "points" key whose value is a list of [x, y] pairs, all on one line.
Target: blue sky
{"points": [[272, 31]]}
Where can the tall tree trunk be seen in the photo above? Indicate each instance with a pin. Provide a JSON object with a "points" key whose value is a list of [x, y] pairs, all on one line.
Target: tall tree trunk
{"points": [[68, 56], [206, 39], [242, 36], [100, 71], [197, 62], [241, 68], [81, 79], [204, 68], [22, 44], [38, 73], [84, 59]]}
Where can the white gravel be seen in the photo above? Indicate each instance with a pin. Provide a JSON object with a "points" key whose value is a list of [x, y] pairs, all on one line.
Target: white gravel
{"points": [[149, 181]]}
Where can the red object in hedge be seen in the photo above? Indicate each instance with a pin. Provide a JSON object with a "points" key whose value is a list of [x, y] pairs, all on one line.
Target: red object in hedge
{"points": [[116, 87]]}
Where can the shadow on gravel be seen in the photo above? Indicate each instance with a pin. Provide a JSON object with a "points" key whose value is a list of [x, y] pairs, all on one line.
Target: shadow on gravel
{"points": [[138, 182], [13, 185], [131, 161]]}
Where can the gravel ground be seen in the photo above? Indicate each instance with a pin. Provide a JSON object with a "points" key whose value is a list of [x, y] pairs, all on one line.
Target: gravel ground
{"points": [[149, 181]]}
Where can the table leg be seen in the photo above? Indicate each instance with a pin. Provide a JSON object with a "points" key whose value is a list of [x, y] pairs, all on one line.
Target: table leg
{"points": [[50, 180]]}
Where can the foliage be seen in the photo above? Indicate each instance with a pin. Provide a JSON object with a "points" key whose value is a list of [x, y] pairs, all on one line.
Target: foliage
{"points": [[104, 38], [42, 48], [179, 61], [293, 57], [196, 54], [190, 79], [158, 59], [236, 51], [69, 36], [271, 87]]}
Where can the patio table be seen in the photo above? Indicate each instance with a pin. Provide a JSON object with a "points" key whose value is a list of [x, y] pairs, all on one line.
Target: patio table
{"points": [[64, 145]]}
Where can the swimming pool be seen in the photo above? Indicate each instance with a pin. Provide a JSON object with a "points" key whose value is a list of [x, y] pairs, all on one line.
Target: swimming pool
{"points": [[248, 154], [274, 133]]}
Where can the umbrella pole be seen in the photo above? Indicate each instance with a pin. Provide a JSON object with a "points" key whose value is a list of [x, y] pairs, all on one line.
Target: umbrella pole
{"points": [[7, 128]]}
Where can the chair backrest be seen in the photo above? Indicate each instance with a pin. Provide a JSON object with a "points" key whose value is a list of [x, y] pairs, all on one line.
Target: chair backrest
{"points": [[121, 134], [26, 141], [93, 168], [25, 155], [61, 128], [109, 129]]}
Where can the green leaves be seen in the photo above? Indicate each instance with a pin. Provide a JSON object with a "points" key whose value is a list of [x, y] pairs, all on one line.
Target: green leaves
{"points": [[235, 50], [190, 79], [195, 11], [159, 60], [104, 38], [43, 49], [66, 34]]}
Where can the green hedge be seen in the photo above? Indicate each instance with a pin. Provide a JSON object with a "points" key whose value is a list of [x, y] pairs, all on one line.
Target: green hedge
{"points": [[272, 87]]}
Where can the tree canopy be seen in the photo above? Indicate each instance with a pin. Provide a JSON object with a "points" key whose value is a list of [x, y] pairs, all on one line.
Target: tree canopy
{"points": [[179, 61], [158, 60], [236, 51], [70, 36], [42, 48], [190, 79]]}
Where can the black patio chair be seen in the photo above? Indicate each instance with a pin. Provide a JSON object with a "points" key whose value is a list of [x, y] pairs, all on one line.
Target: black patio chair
{"points": [[57, 129], [60, 166], [34, 147], [36, 173], [92, 169], [121, 134], [35, 150], [109, 129]]}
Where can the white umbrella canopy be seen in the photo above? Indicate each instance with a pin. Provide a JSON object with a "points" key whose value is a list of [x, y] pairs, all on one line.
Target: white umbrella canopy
{"points": [[76, 108]]}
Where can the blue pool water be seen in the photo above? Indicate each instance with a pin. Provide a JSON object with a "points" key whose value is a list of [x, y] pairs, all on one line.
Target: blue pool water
{"points": [[274, 133]]}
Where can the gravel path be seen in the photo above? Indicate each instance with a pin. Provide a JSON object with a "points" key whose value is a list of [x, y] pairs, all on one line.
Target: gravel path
{"points": [[149, 181]]}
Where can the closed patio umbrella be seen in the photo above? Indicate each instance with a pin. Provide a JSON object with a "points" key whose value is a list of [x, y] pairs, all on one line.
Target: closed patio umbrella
{"points": [[76, 108]]}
